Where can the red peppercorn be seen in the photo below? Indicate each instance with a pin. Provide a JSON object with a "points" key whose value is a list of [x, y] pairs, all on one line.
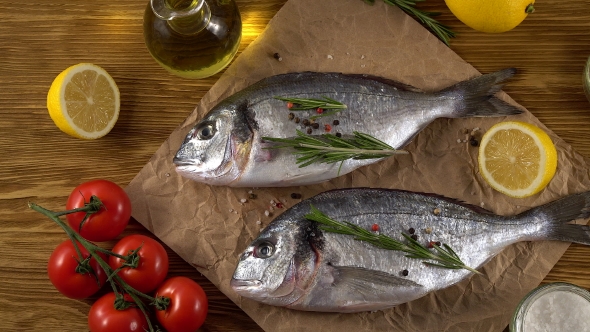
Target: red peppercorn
{"points": [[431, 244], [375, 228], [280, 205], [328, 128], [320, 110], [289, 105]]}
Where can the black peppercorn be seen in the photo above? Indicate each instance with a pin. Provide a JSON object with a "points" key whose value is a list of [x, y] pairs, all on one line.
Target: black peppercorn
{"points": [[277, 56], [405, 273], [291, 116], [411, 231], [297, 120], [296, 196], [315, 125], [473, 141], [438, 244], [309, 131], [338, 135], [335, 122], [306, 122], [414, 237], [252, 196]]}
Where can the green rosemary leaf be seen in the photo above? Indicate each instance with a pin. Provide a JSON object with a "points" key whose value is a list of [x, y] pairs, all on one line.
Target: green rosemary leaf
{"points": [[303, 104], [328, 148], [441, 257], [443, 32]]}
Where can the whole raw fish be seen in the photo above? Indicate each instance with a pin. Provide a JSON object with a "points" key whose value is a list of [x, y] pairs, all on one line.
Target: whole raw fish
{"points": [[293, 263], [226, 147]]}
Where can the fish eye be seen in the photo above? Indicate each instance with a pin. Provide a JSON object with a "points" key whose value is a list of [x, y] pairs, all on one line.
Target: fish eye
{"points": [[264, 250], [206, 131]]}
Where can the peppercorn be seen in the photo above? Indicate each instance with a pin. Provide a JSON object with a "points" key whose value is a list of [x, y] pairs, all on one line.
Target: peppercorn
{"points": [[335, 122], [319, 110], [327, 128], [280, 205], [297, 120], [405, 273], [375, 228], [289, 105], [306, 122], [309, 131], [296, 196], [411, 231], [414, 237], [338, 135], [315, 125], [438, 244], [291, 116], [252, 196], [277, 56], [473, 141]]}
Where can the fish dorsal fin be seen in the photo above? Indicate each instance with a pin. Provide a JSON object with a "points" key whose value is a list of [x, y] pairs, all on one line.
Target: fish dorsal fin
{"points": [[365, 280], [393, 83]]}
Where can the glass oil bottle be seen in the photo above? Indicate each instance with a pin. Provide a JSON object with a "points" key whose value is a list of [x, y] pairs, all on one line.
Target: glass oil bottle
{"points": [[192, 38]]}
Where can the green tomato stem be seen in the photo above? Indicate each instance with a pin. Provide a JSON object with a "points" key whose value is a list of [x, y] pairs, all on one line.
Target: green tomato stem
{"points": [[114, 279]]}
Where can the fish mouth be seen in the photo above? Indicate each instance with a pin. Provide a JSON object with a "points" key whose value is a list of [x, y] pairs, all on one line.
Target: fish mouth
{"points": [[241, 285], [182, 162]]}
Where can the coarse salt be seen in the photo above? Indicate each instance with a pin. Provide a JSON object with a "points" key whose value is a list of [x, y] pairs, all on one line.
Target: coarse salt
{"points": [[558, 311]]}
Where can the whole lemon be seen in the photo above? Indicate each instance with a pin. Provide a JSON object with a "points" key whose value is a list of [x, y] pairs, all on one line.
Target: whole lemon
{"points": [[492, 16]]}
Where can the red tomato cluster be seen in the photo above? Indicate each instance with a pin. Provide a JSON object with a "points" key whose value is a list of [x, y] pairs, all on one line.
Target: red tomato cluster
{"points": [[145, 270]]}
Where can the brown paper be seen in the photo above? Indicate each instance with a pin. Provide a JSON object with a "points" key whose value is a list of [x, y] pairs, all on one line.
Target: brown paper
{"points": [[209, 226]]}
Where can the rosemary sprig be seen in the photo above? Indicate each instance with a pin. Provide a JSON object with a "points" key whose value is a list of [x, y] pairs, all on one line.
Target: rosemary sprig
{"points": [[442, 256], [305, 104], [443, 32], [328, 148]]}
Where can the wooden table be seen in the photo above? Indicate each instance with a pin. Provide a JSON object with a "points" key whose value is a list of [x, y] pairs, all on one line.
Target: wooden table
{"points": [[39, 163]]}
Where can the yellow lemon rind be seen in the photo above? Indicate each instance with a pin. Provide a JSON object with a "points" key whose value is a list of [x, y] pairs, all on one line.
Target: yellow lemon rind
{"points": [[548, 162], [488, 17], [56, 103]]}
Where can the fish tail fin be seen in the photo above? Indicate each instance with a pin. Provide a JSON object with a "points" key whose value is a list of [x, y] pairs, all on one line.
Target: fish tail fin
{"points": [[476, 96], [562, 211]]}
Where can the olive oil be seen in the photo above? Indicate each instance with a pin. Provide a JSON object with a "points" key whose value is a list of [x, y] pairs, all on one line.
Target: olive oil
{"points": [[192, 38]]}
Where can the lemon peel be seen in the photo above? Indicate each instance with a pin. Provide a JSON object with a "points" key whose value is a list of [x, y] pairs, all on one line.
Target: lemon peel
{"points": [[492, 16], [517, 158], [83, 101]]}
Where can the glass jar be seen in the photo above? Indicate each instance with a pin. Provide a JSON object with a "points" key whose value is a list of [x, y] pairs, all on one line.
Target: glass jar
{"points": [[192, 38], [553, 307]]}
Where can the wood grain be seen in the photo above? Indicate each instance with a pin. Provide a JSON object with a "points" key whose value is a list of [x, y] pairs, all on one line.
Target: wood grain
{"points": [[40, 38]]}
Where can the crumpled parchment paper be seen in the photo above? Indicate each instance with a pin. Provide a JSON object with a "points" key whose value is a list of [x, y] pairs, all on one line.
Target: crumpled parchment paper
{"points": [[210, 226]]}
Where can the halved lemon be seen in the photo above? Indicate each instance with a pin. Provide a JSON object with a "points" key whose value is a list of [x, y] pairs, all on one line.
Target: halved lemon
{"points": [[517, 158], [83, 101]]}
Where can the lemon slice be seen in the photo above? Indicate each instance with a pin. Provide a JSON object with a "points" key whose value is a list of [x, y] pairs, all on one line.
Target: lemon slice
{"points": [[83, 101], [517, 158]]}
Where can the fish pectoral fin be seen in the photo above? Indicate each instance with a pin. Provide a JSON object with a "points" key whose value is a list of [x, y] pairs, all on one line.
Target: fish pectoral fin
{"points": [[366, 280]]}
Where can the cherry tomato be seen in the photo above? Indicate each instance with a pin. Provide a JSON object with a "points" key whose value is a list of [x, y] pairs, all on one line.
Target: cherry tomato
{"points": [[103, 317], [152, 266], [62, 271], [110, 220], [188, 305]]}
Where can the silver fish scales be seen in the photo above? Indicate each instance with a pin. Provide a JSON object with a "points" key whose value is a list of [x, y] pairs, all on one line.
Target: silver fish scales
{"points": [[294, 263], [226, 146]]}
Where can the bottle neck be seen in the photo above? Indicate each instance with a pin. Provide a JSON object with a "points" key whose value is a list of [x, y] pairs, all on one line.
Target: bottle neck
{"points": [[183, 16]]}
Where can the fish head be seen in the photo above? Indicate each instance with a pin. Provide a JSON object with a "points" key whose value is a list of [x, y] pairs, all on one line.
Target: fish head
{"points": [[217, 148], [277, 267]]}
